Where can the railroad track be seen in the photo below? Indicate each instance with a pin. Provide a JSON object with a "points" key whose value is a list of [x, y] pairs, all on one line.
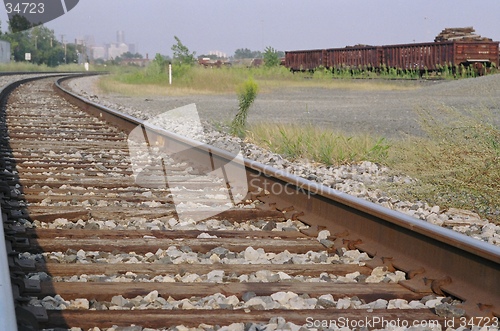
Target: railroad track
{"points": [[92, 246]]}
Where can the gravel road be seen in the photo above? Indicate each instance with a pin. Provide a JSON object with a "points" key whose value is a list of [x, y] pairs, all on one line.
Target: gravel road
{"points": [[382, 113]]}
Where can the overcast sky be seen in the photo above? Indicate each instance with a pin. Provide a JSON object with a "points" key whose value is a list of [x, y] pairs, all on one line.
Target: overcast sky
{"points": [[225, 25]]}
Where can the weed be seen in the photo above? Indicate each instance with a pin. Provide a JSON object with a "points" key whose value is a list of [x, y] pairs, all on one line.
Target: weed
{"points": [[247, 93]]}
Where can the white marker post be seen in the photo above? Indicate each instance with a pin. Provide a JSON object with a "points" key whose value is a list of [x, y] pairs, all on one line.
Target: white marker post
{"points": [[170, 73]]}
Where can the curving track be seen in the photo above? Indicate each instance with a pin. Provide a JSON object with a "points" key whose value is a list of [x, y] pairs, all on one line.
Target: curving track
{"points": [[86, 237]]}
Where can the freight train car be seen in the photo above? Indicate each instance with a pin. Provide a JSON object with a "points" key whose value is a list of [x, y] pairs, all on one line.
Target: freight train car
{"points": [[355, 57], [434, 56], [421, 56], [306, 60]]}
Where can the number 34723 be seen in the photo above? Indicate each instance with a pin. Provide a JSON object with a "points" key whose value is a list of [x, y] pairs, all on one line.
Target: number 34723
{"points": [[25, 8]]}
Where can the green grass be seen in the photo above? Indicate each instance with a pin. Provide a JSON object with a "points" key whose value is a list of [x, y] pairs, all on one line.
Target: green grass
{"points": [[320, 145]]}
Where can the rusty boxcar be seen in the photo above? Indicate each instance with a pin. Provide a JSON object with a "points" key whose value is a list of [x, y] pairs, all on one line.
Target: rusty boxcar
{"points": [[419, 56], [434, 56], [306, 60], [355, 57]]}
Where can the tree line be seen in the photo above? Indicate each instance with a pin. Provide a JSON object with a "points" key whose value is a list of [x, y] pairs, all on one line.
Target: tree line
{"points": [[42, 44]]}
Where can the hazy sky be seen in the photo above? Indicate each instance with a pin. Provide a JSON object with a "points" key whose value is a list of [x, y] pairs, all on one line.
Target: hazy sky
{"points": [[224, 25]]}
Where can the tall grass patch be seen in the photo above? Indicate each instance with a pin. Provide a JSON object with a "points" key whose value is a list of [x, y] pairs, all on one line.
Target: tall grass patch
{"points": [[320, 145]]}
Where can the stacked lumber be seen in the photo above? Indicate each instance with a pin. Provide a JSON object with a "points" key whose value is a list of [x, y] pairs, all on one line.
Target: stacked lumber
{"points": [[466, 34]]}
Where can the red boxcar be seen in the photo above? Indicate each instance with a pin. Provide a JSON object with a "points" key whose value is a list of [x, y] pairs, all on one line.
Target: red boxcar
{"points": [[421, 56], [357, 57], [305, 60], [433, 56]]}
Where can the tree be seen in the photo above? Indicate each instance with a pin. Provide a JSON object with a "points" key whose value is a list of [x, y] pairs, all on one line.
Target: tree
{"points": [[245, 53], [182, 54], [271, 57], [42, 44]]}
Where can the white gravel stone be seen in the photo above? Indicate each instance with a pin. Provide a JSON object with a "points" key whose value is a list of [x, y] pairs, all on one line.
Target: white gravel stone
{"points": [[233, 327], [323, 234], [283, 297], [344, 303], [152, 296], [398, 304], [79, 304], [215, 276], [434, 302]]}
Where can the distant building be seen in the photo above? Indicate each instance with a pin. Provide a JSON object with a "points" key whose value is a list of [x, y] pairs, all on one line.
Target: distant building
{"points": [[115, 50], [98, 52], [112, 50], [132, 48], [219, 54], [4, 51]]}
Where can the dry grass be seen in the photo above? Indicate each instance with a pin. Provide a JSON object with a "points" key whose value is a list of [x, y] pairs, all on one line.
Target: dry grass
{"points": [[108, 85], [320, 145], [458, 165]]}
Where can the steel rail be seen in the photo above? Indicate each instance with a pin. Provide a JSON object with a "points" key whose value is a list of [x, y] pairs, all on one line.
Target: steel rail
{"points": [[8, 319], [8, 311], [436, 259]]}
